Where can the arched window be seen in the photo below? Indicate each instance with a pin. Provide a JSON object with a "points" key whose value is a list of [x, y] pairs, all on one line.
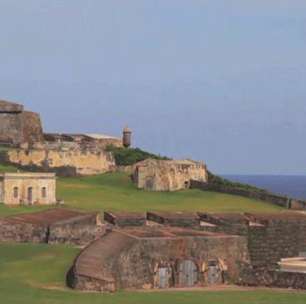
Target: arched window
{"points": [[44, 192], [15, 192]]}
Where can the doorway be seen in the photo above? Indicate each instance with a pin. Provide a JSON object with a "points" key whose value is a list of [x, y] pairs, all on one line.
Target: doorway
{"points": [[188, 273], [30, 195], [214, 273], [164, 276]]}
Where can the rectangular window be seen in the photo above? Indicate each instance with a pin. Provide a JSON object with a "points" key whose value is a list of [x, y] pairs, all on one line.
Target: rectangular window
{"points": [[15, 192], [44, 192]]}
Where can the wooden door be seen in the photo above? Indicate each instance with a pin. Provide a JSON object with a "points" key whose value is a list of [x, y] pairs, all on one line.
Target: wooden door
{"points": [[214, 275], [164, 275], [188, 274]]}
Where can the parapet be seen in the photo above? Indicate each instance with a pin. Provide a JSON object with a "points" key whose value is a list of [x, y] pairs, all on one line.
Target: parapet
{"points": [[10, 107]]}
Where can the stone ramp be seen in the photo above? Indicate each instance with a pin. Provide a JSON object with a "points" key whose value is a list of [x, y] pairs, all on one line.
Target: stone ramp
{"points": [[96, 261]]}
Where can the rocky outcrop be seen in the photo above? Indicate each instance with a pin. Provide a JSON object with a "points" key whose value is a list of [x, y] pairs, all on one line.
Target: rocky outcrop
{"points": [[168, 175]]}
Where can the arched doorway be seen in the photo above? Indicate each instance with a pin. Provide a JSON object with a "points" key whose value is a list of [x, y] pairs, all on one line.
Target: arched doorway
{"points": [[188, 273]]}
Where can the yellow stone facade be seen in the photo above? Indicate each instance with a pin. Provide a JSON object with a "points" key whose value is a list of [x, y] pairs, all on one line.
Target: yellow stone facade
{"points": [[84, 162], [168, 175], [28, 188]]}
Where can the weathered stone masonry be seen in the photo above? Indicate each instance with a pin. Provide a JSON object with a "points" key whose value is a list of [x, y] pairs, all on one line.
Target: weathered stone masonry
{"points": [[52, 226], [18, 126], [62, 161], [158, 258]]}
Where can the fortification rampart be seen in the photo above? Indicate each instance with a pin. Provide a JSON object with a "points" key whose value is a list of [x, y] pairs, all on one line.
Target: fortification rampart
{"points": [[54, 226], [18, 126], [65, 162]]}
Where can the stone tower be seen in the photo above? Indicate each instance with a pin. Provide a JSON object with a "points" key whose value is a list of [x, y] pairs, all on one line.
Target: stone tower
{"points": [[18, 126], [127, 137]]}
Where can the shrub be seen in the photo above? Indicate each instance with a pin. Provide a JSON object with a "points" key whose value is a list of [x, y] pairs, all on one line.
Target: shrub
{"points": [[220, 181]]}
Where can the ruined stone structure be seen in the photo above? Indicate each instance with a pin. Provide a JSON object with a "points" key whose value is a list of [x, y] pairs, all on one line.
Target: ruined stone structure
{"points": [[18, 126], [27, 188], [168, 175], [54, 226]]}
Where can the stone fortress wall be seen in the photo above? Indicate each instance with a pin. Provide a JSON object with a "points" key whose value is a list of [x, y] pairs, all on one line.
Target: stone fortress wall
{"points": [[64, 154], [264, 239], [54, 226], [65, 162], [161, 249], [18, 126]]}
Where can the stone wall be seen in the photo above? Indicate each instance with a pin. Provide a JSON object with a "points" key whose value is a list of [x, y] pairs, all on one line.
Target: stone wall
{"points": [[266, 196], [273, 278], [121, 261], [79, 230], [270, 237], [21, 232], [124, 219], [168, 175], [63, 162], [18, 126]]}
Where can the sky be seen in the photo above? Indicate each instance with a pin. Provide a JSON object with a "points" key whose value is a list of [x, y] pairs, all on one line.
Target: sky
{"points": [[219, 81]]}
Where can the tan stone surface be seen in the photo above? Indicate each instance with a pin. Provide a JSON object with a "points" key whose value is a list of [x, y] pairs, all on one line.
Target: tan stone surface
{"points": [[23, 182], [85, 162], [168, 175]]}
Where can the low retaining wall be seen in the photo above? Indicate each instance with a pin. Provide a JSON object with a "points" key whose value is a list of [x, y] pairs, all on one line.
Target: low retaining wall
{"points": [[80, 230], [275, 278], [22, 233], [266, 196]]}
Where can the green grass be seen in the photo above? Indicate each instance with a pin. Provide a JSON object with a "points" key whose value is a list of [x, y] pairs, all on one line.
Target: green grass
{"points": [[116, 192], [7, 168], [35, 274]]}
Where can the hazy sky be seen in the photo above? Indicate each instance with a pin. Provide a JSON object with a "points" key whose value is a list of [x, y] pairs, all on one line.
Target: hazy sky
{"points": [[223, 81]]}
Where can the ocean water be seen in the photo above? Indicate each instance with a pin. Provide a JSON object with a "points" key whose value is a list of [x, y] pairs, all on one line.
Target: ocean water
{"points": [[293, 186]]}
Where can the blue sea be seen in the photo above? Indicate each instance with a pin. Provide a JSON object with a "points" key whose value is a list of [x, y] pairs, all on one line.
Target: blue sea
{"points": [[293, 186]]}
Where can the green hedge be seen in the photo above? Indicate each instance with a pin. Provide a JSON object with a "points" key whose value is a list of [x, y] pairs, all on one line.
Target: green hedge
{"points": [[130, 156]]}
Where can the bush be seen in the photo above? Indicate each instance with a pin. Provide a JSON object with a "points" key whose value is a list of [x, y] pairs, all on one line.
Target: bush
{"points": [[130, 156], [220, 181]]}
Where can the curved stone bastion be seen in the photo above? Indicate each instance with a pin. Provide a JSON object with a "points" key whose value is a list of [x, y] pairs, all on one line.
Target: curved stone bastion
{"points": [[155, 258]]}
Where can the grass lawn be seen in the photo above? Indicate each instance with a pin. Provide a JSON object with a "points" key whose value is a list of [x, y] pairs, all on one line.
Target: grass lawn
{"points": [[116, 192], [35, 274]]}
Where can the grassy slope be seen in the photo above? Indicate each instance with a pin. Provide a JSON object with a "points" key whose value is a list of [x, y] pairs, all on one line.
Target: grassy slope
{"points": [[26, 277], [116, 192]]}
